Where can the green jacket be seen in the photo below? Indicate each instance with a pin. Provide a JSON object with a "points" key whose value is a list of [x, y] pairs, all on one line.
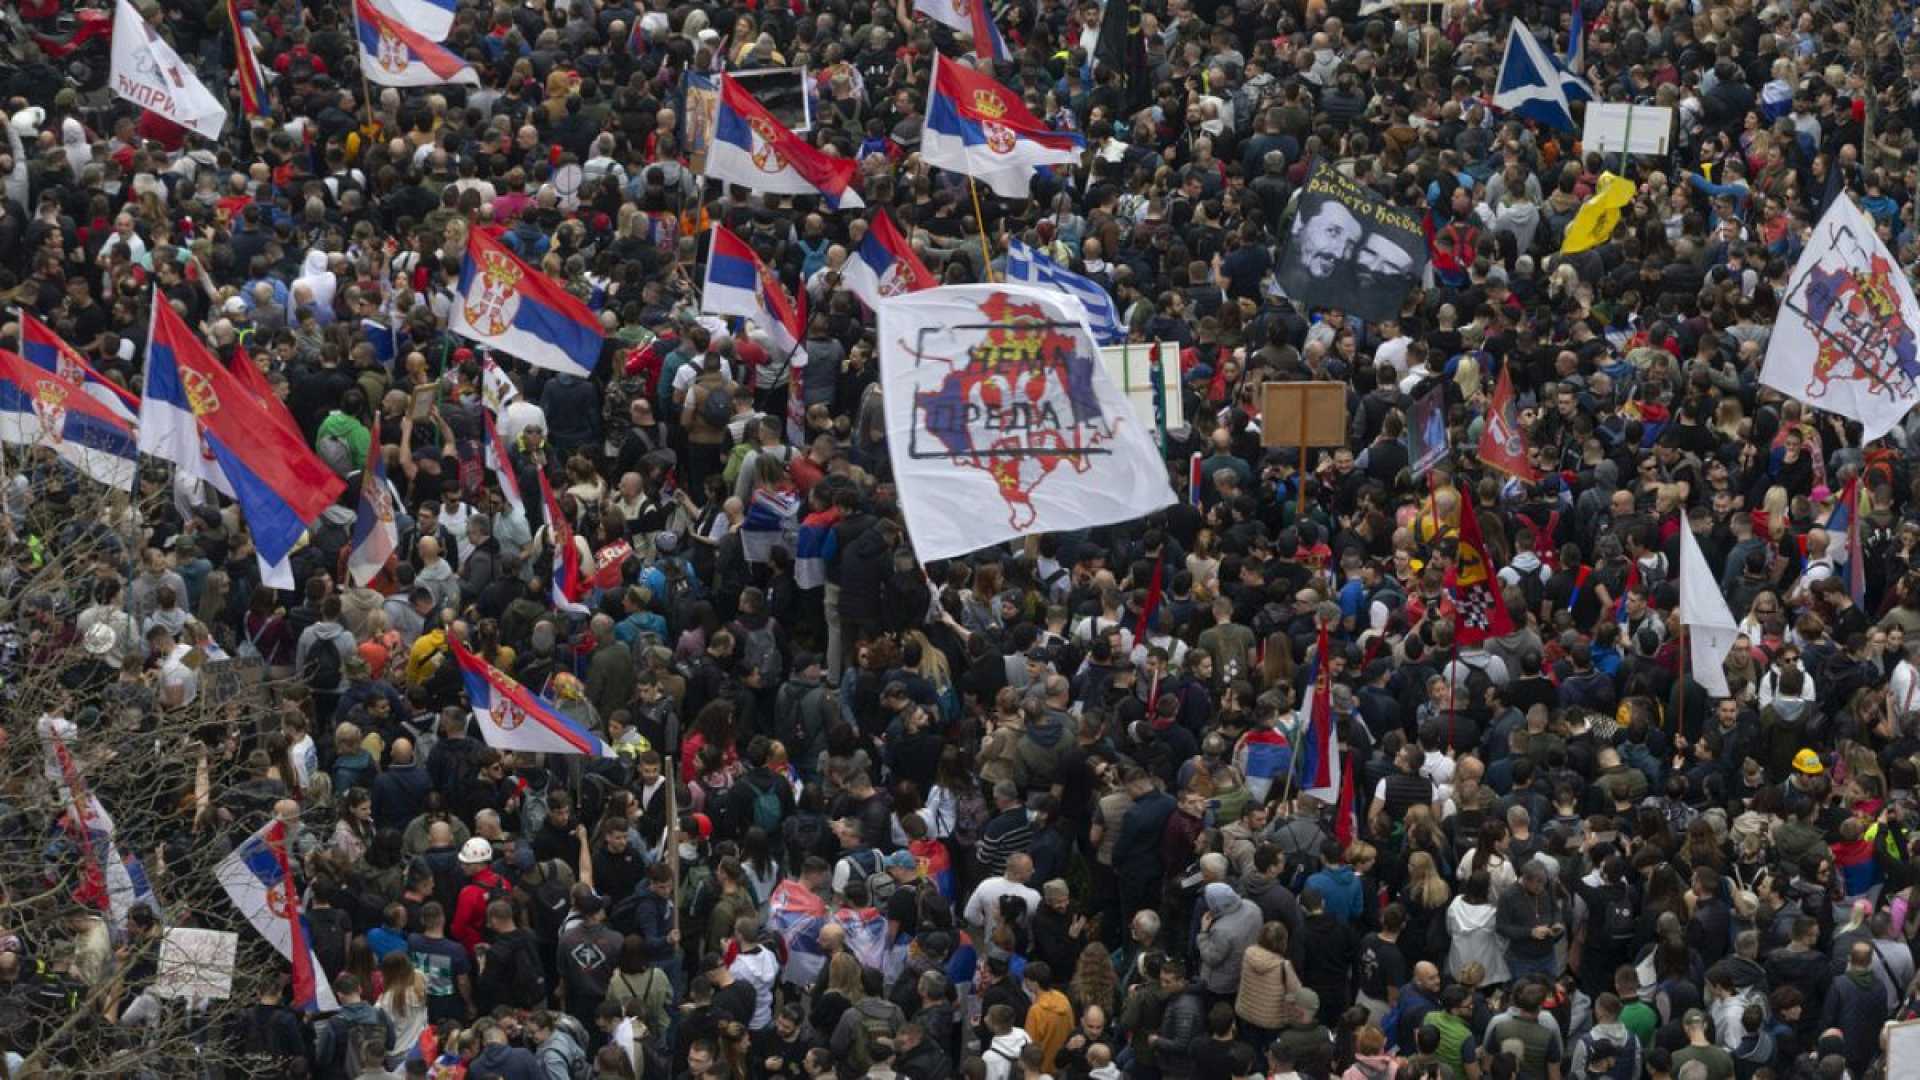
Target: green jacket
{"points": [[350, 429]]}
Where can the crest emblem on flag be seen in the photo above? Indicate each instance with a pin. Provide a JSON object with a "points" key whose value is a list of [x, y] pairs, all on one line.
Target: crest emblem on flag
{"points": [[50, 401], [894, 281], [200, 393], [963, 8], [1855, 315], [494, 296], [393, 55], [508, 715], [765, 157], [1000, 137]]}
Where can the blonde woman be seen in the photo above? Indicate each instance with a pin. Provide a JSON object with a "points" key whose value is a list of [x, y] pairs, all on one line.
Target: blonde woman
{"points": [[405, 999], [933, 665], [1264, 1001], [1425, 897]]}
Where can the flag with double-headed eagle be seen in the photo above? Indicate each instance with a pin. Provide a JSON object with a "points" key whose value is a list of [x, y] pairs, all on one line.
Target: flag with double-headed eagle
{"points": [[505, 304], [376, 535], [258, 877], [755, 150], [1481, 613], [513, 717], [979, 128], [39, 408]]}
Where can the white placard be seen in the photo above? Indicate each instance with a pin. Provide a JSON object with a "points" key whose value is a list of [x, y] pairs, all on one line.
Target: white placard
{"points": [[196, 964], [1903, 1051], [1610, 129], [1131, 368]]}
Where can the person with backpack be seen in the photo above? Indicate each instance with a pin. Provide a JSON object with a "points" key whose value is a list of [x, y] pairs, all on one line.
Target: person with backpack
{"points": [[561, 1046], [706, 408], [510, 971], [760, 798], [320, 657], [763, 650], [356, 1036], [803, 708], [863, 1026], [1613, 923]]}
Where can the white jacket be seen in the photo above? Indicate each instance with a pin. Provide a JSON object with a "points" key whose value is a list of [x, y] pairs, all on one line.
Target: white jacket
{"points": [[1004, 1053], [1475, 940]]}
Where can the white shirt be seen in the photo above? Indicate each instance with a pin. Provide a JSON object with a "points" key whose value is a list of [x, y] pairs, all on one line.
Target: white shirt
{"points": [[758, 969], [174, 674], [984, 909], [1393, 352]]}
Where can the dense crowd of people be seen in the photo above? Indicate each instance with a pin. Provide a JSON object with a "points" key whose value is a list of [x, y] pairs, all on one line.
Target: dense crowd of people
{"points": [[1063, 774]]}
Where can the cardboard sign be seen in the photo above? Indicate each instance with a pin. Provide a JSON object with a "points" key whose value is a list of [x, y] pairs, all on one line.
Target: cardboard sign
{"points": [[196, 964]]}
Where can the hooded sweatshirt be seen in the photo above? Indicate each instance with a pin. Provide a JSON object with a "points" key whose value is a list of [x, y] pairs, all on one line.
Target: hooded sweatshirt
{"points": [[1004, 1053], [1049, 1022], [1235, 927], [506, 1062]]}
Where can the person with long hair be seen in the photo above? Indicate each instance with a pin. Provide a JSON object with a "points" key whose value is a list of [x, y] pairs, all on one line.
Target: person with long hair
{"points": [[1425, 897], [404, 999], [1094, 983], [1470, 927]]}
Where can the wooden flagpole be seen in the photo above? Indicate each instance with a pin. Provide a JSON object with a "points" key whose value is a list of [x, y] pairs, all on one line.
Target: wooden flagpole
{"points": [[980, 219]]}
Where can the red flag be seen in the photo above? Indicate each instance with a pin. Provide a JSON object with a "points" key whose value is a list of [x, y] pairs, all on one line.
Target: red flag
{"points": [[1343, 815], [1154, 592], [1502, 444], [1476, 592], [248, 374]]}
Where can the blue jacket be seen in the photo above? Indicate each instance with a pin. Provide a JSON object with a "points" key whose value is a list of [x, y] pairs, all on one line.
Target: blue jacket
{"points": [[400, 795], [1341, 888], [506, 1062]]}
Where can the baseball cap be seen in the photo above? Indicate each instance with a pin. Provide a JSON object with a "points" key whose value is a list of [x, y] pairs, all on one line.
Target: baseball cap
{"points": [[1807, 761], [476, 851], [902, 860], [1694, 1017]]}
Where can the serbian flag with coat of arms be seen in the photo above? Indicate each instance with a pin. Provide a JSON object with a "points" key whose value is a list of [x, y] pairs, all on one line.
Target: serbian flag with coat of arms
{"points": [[884, 264], [258, 877], [738, 283], [756, 151], [1325, 773], [507, 305], [979, 128], [376, 535], [1476, 592], [46, 350], [38, 408], [569, 584], [395, 54], [972, 18], [513, 717]]}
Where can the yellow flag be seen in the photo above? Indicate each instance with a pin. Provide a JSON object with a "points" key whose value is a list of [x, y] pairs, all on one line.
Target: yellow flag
{"points": [[1598, 215]]}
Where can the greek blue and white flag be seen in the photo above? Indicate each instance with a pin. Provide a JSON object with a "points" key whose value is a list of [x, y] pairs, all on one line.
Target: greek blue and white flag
{"points": [[1028, 265]]}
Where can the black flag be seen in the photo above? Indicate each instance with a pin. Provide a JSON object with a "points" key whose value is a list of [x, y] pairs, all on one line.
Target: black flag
{"points": [[1122, 47]]}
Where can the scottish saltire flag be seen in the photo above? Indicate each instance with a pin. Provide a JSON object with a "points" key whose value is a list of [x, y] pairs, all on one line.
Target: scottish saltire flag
{"points": [[513, 717], [376, 535], [1025, 264], [502, 466], [772, 520], [813, 545], [884, 264], [752, 149], [1263, 757], [569, 584], [507, 305], [246, 66], [198, 416], [1532, 84], [39, 408], [973, 18], [432, 18], [384, 339], [738, 283], [978, 128], [393, 53], [258, 877], [46, 350]]}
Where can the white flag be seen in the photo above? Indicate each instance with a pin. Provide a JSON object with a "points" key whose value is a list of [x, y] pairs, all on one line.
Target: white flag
{"points": [[147, 72], [1711, 628], [1002, 423], [1847, 338]]}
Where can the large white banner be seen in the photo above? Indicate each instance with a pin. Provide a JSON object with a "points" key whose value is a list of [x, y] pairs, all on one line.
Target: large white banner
{"points": [[1003, 423], [147, 72], [1848, 329]]}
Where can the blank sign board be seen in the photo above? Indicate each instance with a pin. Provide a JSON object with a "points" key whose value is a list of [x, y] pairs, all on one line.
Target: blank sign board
{"points": [[1637, 129]]}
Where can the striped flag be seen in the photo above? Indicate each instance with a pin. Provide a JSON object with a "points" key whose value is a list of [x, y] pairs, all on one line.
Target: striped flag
{"points": [[813, 546], [773, 519], [568, 583], [376, 536], [1026, 264], [246, 65], [502, 466], [1849, 512], [258, 877]]}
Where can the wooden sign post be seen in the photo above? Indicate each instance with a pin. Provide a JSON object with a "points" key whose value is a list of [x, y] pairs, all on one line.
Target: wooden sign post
{"points": [[1303, 415]]}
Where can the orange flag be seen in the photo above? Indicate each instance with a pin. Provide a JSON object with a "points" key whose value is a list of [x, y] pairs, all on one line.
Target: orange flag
{"points": [[1502, 444]]}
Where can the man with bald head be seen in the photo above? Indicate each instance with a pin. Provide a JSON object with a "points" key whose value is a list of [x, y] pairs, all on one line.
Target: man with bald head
{"points": [[610, 675], [983, 910], [400, 792]]}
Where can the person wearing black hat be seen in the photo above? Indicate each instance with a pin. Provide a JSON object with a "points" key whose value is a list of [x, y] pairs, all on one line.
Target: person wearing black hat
{"points": [[589, 952]]}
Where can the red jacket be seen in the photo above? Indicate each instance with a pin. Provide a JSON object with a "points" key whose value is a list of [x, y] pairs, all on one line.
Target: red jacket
{"points": [[470, 909]]}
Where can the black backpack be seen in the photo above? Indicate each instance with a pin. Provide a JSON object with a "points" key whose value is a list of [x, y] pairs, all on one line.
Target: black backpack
{"points": [[716, 408], [1618, 917], [321, 670]]}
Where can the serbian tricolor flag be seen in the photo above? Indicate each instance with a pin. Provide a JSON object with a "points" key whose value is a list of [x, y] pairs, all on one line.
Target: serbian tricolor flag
{"points": [[569, 585], [196, 414], [375, 534], [513, 717], [393, 53], [502, 466], [258, 877], [1502, 444], [1195, 479], [1321, 772], [1846, 519], [248, 374], [1156, 586], [109, 881], [246, 66], [752, 149], [505, 304], [738, 283], [978, 128], [1476, 592], [46, 350], [972, 18], [39, 408], [884, 264]]}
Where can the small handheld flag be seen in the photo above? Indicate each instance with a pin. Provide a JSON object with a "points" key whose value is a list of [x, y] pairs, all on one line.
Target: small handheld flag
{"points": [[513, 717], [376, 536]]}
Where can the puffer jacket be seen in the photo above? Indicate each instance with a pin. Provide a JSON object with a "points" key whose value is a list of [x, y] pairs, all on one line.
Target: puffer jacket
{"points": [[1267, 983]]}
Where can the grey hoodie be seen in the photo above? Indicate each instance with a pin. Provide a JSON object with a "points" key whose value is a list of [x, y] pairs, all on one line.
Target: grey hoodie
{"points": [[332, 634], [556, 1055], [1235, 927]]}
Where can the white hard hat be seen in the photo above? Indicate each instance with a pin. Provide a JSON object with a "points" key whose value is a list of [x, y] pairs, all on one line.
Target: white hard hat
{"points": [[475, 851]]}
